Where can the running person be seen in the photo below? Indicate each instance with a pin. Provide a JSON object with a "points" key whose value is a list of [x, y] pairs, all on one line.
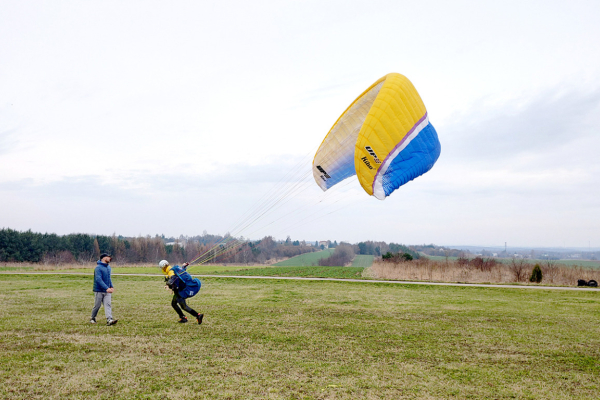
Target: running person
{"points": [[175, 284]]}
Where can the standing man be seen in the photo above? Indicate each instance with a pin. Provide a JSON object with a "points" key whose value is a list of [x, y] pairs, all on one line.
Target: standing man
{"points": [[103, 289]]}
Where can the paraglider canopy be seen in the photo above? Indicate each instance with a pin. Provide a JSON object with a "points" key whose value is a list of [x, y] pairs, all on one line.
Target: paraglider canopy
{"points": [[384, 137]]}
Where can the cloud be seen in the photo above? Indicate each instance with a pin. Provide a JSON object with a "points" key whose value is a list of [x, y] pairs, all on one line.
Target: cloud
{"points": [[549, 121], [79, 188], [9, 129], [540, 147], [7, 142], [131, 184]]}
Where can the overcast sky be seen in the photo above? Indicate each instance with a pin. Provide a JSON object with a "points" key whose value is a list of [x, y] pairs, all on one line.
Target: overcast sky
{"points": [[161, 117]]}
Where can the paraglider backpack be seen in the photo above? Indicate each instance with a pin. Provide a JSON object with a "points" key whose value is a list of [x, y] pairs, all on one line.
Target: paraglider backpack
{"points": [[187, 286]]}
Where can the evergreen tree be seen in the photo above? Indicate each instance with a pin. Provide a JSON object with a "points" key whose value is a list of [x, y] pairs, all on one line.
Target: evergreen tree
{"points": [[536, 274]]}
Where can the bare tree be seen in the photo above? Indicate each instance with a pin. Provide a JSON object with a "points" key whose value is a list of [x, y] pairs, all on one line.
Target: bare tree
{"points": [[550, 270], [342, 255], [519, 269]]}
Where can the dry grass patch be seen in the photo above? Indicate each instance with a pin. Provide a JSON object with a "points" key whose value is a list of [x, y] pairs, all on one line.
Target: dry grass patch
{"points": [[478, 271]]}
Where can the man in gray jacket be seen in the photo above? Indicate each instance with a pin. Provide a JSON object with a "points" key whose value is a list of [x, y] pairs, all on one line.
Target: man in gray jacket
{"points": [[103, 289]]}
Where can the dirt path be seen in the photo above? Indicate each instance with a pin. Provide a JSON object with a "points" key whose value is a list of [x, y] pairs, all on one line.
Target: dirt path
{"points": [[330, 279]]}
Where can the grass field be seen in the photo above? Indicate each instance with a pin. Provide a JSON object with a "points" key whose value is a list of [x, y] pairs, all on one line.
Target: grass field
{"points": [[280, 339], [363, 261], [306, 259]]}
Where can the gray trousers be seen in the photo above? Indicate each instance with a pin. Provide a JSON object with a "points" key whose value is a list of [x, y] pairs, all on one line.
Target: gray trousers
{"points": [[102, 298]]}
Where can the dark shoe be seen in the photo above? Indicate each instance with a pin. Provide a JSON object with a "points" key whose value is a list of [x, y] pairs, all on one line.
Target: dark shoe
{"points": [[93, 321], [111, 322], [199, 318], [182, 320]]}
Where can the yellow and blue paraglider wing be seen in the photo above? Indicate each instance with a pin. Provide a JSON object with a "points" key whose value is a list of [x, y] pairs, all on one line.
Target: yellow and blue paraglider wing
{"points": [[384, 137], [334, 160], [396, 143]]}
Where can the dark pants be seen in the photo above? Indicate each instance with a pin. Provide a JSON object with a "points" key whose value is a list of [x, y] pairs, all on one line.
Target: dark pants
{"points": [[180, 301]]}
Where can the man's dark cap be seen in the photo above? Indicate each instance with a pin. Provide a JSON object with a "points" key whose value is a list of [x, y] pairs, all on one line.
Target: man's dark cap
{"points": [[105, 255]]}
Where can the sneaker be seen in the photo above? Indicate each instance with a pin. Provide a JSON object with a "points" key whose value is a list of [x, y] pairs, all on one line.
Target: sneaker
{"points": [[182, 320], [199, 318], [111, 322], [93, 321]]}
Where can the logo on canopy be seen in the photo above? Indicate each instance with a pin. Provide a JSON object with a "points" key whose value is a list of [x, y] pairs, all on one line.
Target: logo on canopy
{"points": [[372, 153], [324, 175]]}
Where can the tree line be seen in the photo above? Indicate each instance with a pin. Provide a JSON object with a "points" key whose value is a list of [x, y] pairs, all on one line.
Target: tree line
{"points": [[50, 248], [379, 249]]}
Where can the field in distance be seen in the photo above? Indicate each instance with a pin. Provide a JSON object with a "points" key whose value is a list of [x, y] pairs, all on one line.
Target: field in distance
{"points": [[306, 259], [312, 259]]}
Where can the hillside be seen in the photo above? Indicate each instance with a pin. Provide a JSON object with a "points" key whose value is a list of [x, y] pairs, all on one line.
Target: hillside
{"points": [[305, 260]]}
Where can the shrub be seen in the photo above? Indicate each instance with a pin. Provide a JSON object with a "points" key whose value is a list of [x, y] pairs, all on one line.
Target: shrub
{"points": [[462, 261], [396, 258], [518, 269], [342, 255], [550, 270], [483, 264], [536, 274]]}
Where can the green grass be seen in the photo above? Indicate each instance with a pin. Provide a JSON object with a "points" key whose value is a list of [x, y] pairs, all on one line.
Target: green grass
{"points": [[306, 259], [281, 339], [363, 261]]}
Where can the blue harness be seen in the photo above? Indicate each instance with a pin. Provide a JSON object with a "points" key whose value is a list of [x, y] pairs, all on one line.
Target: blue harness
{"points": [[187, 286]]}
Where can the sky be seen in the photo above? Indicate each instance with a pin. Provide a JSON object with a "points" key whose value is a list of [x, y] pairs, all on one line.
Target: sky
{"points": [[176, 118]]}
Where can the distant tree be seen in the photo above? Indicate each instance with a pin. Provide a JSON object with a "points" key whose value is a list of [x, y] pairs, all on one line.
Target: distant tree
{"points": [[462, 261], [550, 270], [32, 248], [536, 274], [342, 255], [396, 248], [81, 246], [96, 248], [482, 264], [362, 248], [396, 258], [10, 245], [518, 267]]}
